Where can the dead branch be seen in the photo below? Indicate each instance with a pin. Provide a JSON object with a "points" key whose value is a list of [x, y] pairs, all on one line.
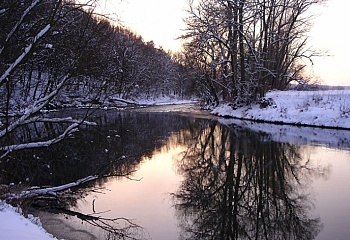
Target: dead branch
{"points": [[120, 227], [8, 149]]}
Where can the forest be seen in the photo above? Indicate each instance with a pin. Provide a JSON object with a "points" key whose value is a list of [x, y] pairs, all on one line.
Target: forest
{"points": [[64, 53]]}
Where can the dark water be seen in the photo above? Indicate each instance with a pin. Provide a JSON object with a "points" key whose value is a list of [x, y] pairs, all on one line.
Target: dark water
{"points": [[182, 176]]}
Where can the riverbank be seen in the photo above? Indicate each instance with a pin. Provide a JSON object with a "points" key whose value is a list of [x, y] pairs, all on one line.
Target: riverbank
{"points": [[15, 226], [327, 109]]}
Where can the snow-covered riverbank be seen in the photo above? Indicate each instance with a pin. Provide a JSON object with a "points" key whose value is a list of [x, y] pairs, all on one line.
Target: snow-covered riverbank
{"points": [[14, 226], [304, 108]]}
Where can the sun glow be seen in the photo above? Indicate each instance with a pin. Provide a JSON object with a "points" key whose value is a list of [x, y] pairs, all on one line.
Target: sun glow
{"points": [[145, 196], [159, 21], [329, 35]]}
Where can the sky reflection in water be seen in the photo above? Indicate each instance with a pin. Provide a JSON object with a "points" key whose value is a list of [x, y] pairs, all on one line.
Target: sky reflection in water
{"points": [[333, 192], [300, 190], [146, 197]]}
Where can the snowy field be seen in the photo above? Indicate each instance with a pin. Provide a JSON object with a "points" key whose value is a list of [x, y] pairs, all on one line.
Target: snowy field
{"points": [[14, 226], [305, 108]]}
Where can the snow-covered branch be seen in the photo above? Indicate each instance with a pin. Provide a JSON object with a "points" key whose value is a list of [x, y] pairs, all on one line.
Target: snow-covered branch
{"points": [[20, 58], [124, 101], [69, 130], [119, 226], [2, 11], [58, 120], [53, 190], [19, 22], [32, 110]]}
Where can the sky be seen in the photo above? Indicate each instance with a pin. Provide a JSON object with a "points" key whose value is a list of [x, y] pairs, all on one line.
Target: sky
{"points": [[162, 20], [330, 33]]}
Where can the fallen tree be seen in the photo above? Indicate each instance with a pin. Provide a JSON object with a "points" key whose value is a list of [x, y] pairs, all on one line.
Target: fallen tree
{"points": [[60, 199]]}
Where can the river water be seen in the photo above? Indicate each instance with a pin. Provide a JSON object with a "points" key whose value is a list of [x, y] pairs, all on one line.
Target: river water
{"points": [[182, 174]]}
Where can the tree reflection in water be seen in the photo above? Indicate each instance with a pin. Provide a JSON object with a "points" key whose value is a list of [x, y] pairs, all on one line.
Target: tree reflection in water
{"points": [[119, 135], [239, 185], [112, 149]]}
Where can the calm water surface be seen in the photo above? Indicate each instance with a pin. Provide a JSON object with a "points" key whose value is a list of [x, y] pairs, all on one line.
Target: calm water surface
{"points": [[188, 177]]}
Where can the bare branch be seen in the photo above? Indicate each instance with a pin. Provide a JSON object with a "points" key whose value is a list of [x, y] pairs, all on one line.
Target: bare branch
{"points": [[71, 129], [32, 110], [26, 52]]}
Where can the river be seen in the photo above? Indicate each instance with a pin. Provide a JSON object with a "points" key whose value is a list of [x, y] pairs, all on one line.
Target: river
{"points": [[179, 173]]}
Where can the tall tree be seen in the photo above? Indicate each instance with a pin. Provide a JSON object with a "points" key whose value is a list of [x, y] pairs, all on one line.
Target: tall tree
{"points": [[246, 47]]}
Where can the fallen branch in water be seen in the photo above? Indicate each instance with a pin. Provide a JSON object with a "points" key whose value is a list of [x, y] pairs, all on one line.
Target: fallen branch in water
{"points": [[59, 199], [74, 127], [119, 228], [34, 192], [50, 191]]}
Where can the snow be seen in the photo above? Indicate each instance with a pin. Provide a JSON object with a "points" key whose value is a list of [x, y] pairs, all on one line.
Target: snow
{"points": [[332, 138], [304, 108], [13, 225], [48, 45], [166, 100]]}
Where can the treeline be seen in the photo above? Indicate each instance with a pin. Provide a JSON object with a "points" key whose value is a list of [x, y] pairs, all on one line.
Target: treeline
{"points": [[62, 53], [63, 45], [56, 53], [240, 49]]}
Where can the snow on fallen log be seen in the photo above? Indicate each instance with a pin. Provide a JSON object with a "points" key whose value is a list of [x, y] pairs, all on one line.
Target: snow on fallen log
{"points": [[51, 191], [69, 130], [124, 101], [59, 120]]}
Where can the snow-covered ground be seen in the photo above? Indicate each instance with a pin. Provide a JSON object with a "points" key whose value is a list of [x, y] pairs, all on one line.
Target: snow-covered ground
{"points": [[14, 226], [306, 108], [164, 101]]}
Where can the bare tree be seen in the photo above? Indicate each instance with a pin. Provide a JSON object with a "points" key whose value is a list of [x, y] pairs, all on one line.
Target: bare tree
{"points": [[246, 47], [31, 75]]}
